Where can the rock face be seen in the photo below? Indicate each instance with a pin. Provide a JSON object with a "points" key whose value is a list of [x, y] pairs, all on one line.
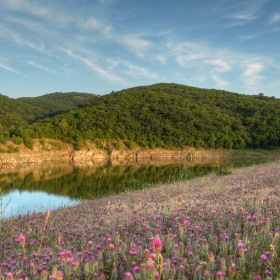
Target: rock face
{"points": [[97, 155], [33, 157], [90, 154], [154, 155]]}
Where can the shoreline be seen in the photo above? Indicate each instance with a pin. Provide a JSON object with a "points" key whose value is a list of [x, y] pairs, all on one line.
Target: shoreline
{"points": [[65, 152], [242, 176]]}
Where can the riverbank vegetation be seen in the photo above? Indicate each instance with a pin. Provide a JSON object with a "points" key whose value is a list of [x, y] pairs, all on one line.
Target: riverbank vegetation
{"points": [[161, 115], [212, 227]]}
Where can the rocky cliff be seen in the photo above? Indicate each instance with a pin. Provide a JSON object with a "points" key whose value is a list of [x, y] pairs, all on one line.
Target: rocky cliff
{"points": [[90, 153]]}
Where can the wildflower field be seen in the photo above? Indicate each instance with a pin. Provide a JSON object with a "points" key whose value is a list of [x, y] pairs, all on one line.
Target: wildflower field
{"points": [[212, 227]]}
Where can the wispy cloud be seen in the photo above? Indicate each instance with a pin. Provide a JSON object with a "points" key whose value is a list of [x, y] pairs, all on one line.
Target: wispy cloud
{"points": [[161, 58], [132, 69], [244, 11], [94, 24], [18, 39], [211, 62], [220, 65], [185, 53], [220, 83], [251, 75], [275, 18], [26, 6], [135, 44], [93, 66], [253, 69], [44, 12], [249, 37], [41, 67], [10, 69]]}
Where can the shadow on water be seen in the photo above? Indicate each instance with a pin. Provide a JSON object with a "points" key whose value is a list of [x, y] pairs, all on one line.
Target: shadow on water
{"points": [[67, 182]]}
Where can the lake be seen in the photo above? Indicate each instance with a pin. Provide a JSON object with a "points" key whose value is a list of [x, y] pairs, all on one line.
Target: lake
{"points": [[52, 185]]}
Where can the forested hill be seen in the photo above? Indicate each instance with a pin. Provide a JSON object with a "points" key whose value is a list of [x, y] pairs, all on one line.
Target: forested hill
{"points": [[170, 115], [21, 111], [58, 101]]}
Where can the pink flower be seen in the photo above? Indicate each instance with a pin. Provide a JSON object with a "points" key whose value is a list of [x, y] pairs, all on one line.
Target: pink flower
{"points": [[157, 244], [32, 266], [111, 247], [240, 247], [128, 276], [59, 275], [190, 254], [220, 274], [21, 240], [233, 267], [68, 254], [10, 275]]}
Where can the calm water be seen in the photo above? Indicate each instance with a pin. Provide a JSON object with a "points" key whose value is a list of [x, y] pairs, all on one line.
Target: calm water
{"points": [[43, 187]]}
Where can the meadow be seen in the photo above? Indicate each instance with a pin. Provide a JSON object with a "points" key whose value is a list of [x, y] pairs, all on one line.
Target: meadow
{"points": [[211, 227]]}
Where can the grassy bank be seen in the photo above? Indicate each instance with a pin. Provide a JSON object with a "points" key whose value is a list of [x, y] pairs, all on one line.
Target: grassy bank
{"points": [[213, 227]]}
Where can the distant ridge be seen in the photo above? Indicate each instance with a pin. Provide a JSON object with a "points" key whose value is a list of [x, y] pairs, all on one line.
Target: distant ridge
{"points": [[24, 110]]}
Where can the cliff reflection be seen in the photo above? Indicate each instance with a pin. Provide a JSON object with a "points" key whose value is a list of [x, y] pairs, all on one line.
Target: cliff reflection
{"points": [[96, 180]]}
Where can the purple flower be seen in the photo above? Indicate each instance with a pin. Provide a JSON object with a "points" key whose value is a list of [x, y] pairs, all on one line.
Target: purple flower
{"points": [[264, 258]]}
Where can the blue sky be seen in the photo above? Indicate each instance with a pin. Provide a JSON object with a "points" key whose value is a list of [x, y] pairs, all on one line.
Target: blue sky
{"points": [[98, 46]]}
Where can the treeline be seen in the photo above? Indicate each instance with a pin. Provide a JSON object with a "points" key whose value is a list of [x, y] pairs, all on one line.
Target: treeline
{"points": [[168, 116]]}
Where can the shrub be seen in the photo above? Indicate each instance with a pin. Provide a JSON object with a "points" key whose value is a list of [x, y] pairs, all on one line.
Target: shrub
{"points": [[17, 140], [12, 149], [29, 143], [99, 144]]}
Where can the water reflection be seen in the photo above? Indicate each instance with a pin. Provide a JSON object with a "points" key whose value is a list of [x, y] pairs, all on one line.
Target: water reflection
{"points": [[41, 187]]}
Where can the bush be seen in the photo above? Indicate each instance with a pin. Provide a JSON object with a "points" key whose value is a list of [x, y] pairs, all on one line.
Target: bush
{"points": [[79, 143], [12, 149], [17, 140], [117, 146], [99, 144], [129, 144], [29, 143], [2, 140], [220, 170]]}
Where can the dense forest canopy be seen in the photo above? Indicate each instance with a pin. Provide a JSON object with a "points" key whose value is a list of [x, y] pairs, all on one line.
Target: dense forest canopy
{"points": [[21, 111], [169, 116]]}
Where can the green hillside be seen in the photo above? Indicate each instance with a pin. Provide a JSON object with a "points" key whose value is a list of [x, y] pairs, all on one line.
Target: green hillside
{"points": [[21, 111], [14, 113], [58, 101], [170, 115]]}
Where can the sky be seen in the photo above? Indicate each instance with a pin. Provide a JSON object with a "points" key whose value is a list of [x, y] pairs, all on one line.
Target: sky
{"points": [[99, 46]]}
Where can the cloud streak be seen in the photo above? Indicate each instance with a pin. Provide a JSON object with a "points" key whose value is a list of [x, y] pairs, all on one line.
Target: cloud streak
{"points": [[103, 73], [244, 11], [131, 69], [275, 18], [41, 67], [10, 69]]}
